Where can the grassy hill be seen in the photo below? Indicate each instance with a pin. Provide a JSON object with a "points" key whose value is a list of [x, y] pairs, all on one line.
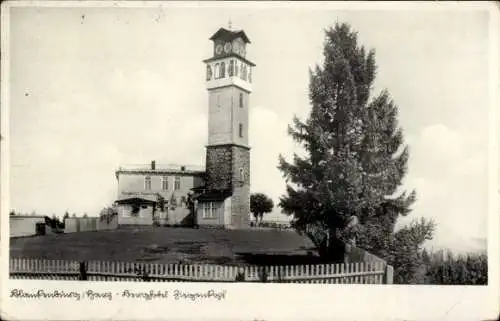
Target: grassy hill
{"points": [[170, 245]]}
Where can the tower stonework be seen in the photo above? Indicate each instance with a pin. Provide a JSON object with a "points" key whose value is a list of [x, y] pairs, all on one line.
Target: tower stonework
{"points": [[228, 79]]}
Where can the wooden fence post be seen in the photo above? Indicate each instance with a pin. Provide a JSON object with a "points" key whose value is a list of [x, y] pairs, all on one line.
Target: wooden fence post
{"points": [[240, 276], [263, 274], [389, 274], [83, 271]]}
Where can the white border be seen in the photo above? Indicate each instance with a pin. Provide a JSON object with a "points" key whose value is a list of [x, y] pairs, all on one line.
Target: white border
{"points": [[259, 301]]}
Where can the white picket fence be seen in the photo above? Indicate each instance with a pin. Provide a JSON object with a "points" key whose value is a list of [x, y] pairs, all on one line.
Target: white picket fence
{"points": [[353, 273]]}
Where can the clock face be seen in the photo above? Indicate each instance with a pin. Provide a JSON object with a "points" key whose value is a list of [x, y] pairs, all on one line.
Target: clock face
{"points": [[227, 47], [218, 49]]}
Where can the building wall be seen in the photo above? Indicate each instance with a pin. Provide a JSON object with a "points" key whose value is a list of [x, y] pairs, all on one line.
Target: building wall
{"points": [[132, 184], [89, 224], [240, 203], [105, 225], [143, 217], [224, 163], [176, 210], [24, 226], [240, 116], [71, 225], [227, 212], [240, 207], [217, 221], [219, 169], [225, 115], [219, 116]]}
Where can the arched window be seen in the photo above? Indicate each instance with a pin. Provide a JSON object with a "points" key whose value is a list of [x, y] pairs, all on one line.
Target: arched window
{"points": [[209, 72], [216, 71], [231, 68], [222, 70], [244, 72]]}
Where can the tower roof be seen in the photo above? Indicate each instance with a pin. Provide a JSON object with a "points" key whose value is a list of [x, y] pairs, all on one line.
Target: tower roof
{"points": [[229, 35]]}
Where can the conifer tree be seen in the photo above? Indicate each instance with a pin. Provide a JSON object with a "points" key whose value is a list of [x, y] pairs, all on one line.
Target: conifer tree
{"points": [[347, 186]]}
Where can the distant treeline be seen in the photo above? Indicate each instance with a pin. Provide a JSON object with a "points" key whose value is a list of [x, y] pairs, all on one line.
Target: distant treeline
{"points": [[446, 268], [66, 214]]}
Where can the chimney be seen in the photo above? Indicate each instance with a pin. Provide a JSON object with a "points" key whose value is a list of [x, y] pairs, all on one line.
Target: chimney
{"points": [[153, 165]]}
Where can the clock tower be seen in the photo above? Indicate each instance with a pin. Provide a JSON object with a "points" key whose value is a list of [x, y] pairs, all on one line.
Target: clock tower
{"points": [[229, 84]]}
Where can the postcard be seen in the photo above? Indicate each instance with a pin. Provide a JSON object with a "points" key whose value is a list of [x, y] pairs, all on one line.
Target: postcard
{"points": [[249, 160]]}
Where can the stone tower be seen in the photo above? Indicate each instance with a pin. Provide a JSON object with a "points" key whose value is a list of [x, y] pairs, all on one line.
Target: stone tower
{"points": [[228, 80]]}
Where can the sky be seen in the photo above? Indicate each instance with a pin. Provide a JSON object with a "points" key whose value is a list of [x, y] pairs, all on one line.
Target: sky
{"points": [[94, 88]]}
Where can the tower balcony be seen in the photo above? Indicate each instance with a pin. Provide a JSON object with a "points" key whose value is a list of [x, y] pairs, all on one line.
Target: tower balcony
{"points": [[231, 70], [229, 81]]}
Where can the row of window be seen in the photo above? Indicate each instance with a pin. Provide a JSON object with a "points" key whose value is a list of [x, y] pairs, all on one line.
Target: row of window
{"points": [[209, 210], [177, 181], [164, 183], [233, 69]]}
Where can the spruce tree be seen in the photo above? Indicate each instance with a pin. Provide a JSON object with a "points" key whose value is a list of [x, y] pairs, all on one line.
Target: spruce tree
{"points": [[346, 187]]}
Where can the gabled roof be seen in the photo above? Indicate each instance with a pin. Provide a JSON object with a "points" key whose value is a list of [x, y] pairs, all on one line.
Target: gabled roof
{"points": [[28, 216], [145, 169], [198, 188], [248, 62], [215, 195], [225, 34], [136, 200]]}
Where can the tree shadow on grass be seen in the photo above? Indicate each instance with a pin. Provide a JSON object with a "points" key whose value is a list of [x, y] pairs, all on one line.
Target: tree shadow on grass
{"points": [[278, 259]]}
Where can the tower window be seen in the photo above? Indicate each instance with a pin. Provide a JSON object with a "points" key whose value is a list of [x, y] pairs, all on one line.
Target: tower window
{"points": [[241, 100], [231, 68], [177, 183], [209, 72], [236, 69], [164, 183], [244, 72], [250, 74], [242, 174], [222, 70], [216, 71], [147, 183], [241, 130]]}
